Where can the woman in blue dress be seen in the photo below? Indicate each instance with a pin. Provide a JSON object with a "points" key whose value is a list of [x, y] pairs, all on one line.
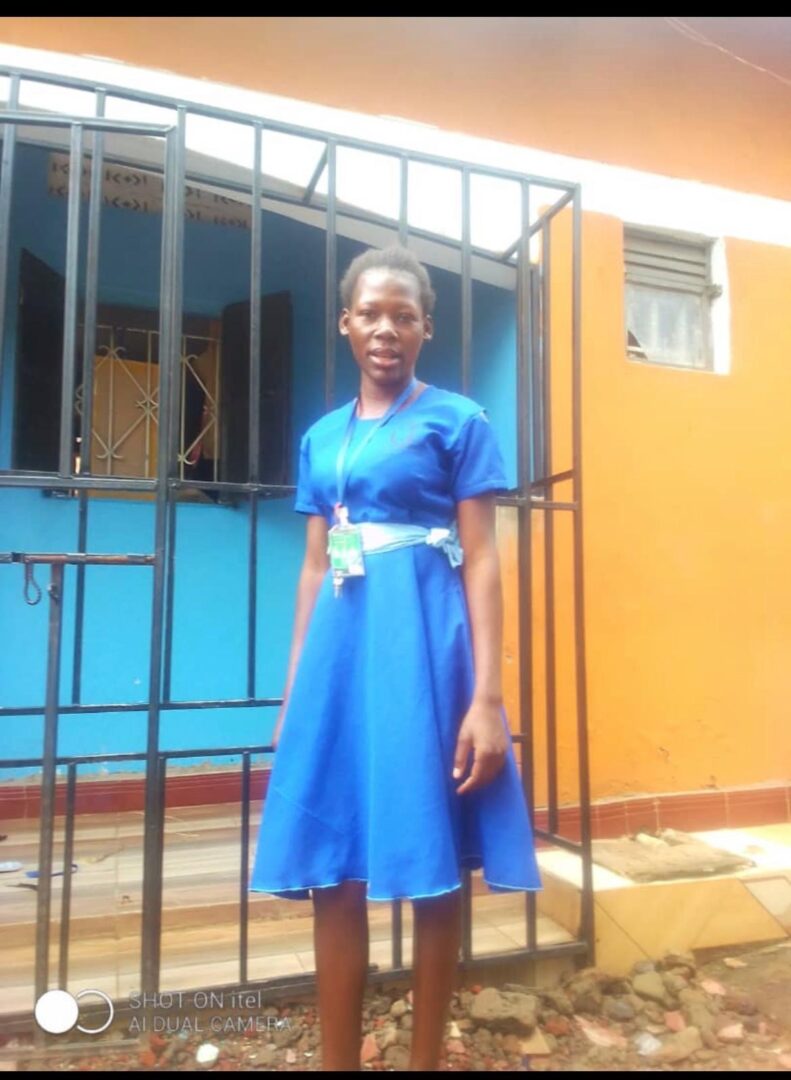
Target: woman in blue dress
{"points": [[394, 766]]}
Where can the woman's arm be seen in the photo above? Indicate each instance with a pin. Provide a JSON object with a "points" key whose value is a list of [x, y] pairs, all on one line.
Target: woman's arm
{"points": [[314, 567], [482, 729]]}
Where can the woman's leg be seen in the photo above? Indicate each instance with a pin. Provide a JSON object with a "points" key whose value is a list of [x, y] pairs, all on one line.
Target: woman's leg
{"points": [[437, 938], [340, 936]]}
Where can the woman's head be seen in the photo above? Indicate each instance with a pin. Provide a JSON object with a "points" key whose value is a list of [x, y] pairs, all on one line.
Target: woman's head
{"points": [[387, 304], [399, 261]]}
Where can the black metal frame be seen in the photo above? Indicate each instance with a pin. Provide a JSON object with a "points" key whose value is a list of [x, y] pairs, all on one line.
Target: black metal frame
{"points": [[535, 486]]}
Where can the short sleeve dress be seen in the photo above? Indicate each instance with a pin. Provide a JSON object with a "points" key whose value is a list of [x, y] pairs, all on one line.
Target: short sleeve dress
{"points": [[362, 787]]}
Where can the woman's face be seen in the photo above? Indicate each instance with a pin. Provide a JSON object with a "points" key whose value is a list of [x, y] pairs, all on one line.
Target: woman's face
{"points": [[386, 326]]}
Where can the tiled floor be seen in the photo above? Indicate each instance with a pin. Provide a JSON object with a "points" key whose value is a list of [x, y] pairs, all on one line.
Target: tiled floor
{"points": [[200, 937]]}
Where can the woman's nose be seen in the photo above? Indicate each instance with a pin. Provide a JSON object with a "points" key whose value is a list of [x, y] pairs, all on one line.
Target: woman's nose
{"points": [[385, 328]]}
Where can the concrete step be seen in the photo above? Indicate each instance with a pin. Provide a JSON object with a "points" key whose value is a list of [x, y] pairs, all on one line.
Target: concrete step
{"points": [[638, 921]]}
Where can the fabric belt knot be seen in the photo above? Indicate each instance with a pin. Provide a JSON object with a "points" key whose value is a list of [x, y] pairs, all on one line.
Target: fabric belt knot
{"points": [[380, 536]]}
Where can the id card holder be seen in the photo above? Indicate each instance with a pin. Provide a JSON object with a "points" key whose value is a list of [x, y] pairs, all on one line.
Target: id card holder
{"points": [[345, 549]]}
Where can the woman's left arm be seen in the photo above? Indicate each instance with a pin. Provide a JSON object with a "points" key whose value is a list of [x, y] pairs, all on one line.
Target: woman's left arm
{"points": [[482, 730]]}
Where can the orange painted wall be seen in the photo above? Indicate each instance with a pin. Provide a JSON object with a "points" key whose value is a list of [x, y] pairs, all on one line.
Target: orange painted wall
{"points": [[690, 514], [687, 475], [687, 504], [631, 91]]}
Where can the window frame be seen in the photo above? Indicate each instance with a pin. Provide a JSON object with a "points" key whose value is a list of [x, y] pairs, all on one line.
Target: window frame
{"points": [[679, 263]]}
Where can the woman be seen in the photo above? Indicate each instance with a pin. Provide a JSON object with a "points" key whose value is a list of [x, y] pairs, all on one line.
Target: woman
{"points": [[394, 763]]}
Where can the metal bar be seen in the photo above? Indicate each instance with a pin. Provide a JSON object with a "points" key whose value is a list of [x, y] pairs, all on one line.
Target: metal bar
{"points": [[79, 604], [396, 934], [254, 435], [559, 841], [484, 960], [6, 193], [544, 219], [143, 706], [537, 376], [53, 482], [223, 751], [162, 779], [68, 853], [322, 163], [172, 373], [170, 589], [331, 276], [176, 417], [524, 527], [587, 899], [244, 875], [199, 109], [79, 559], [553, 478], [531, 921], [466, 915], [536, 502], [88, 361], [267, 490], [466, 284], [177, 286], [539, 482], [169, 358], [403, 200], [90, 759], [65, 461], [89, 352], [47, 812], [91, 290], [252, 596], [254, 419], [57, 120], [545, 458]]}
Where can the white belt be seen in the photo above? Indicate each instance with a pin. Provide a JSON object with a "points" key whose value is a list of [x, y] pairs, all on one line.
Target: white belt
{"points": [[386, 536]]}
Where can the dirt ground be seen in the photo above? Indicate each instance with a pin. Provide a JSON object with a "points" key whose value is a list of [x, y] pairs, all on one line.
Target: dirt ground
{"points": [[746, 992]]}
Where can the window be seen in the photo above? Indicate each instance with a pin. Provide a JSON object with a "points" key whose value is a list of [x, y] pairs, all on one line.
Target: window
{"points": [[668, 299], [213, 388], [125, 421]]}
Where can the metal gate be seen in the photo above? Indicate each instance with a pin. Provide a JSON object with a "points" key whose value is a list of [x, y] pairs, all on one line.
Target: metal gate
{"points": [[534, 494]]}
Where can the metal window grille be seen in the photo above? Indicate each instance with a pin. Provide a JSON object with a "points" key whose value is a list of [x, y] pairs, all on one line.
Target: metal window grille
{"points": [[545, 485]]}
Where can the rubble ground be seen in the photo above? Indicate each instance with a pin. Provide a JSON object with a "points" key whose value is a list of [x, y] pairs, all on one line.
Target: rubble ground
{"points": [[728, 1011]]}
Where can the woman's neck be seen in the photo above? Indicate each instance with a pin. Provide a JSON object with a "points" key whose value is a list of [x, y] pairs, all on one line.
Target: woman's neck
{"points": [[374, 401]]}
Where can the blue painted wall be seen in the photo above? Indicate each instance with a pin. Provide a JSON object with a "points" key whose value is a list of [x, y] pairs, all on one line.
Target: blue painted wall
{"points": [[209, 647]]}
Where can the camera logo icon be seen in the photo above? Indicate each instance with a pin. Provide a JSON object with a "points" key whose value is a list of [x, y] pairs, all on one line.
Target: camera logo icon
{"points": [[58, 1011]]}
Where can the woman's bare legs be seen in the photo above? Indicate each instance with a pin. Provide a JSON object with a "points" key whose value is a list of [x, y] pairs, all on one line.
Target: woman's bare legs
{"points": [[437, 938], [340, 936]]}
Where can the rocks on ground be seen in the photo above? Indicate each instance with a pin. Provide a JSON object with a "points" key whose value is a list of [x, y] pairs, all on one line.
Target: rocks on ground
{"points": [[665, 1015]]}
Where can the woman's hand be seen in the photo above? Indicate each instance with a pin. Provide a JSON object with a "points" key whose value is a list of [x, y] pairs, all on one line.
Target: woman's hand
{"points": [[483, 729], [482, 732]]}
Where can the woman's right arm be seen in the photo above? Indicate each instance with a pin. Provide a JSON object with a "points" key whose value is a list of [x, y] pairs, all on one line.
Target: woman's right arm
{"points": [[314, 568]]}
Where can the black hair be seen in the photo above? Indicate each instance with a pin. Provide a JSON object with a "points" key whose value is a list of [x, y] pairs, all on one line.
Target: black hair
{"points": [[396, 258]]}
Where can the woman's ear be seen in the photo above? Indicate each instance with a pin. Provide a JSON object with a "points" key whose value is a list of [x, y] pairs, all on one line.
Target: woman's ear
{"points": [[343, 322]]}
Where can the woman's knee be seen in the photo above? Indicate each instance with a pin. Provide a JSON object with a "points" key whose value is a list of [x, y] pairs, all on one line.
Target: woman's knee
{"points": [[347, 896], [443, 906]]}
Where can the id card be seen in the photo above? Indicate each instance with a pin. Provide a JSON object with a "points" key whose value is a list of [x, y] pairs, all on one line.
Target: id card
{"points": [[346, 551]]}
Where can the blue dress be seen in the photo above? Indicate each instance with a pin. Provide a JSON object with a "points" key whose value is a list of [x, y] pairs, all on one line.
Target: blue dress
{"points": [[362, 785]]}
